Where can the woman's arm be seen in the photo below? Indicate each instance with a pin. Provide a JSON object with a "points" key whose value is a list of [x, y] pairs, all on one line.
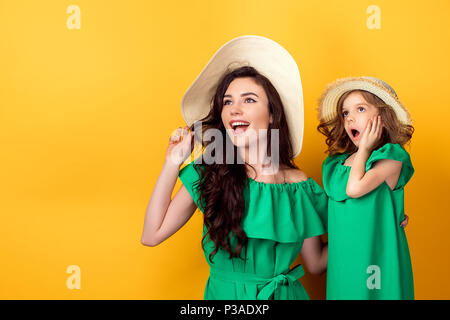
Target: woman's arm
{"points": [[164, 216], [315, 255]]}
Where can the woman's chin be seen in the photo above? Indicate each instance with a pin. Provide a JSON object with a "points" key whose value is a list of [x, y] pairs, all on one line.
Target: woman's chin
{"points": [[239, 143], [250, 144]]}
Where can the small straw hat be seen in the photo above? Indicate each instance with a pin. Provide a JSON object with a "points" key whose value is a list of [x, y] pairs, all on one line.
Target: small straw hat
{"points": [[329, 99]]}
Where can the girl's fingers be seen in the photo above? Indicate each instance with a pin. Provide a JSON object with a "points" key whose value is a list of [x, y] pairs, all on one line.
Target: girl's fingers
{"points": [[368, 127], [380, 127], [375, 125]]}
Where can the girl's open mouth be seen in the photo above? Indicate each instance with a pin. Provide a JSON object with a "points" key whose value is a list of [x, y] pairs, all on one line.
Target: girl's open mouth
{"points": [[355, 133]]}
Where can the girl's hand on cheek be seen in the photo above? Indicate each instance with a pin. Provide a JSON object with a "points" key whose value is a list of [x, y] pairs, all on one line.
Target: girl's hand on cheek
{"points": [[372, 134]]}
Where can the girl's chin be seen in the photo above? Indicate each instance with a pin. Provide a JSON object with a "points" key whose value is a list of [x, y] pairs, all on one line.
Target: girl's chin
{"points": [[355, 142]]}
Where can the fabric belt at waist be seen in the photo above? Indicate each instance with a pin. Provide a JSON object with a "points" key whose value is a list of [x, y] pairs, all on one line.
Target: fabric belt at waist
{"points": [[271, 285]]}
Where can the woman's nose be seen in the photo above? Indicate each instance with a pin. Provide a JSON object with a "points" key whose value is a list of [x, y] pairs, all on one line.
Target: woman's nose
{"points": [[235, 109]]}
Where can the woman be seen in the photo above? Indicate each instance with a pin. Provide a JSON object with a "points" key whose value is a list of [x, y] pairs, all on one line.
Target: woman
{"points": [[257, 217]]}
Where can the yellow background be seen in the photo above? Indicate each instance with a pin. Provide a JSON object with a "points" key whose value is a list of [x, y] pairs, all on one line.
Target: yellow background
{"points": [[85, 116]]}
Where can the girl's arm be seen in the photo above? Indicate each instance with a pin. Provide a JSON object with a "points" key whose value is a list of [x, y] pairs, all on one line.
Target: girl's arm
{"points": [[315, 255], [361, 182], [164, 216]]}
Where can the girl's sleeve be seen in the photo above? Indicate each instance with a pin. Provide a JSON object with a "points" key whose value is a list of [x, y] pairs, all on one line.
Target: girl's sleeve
{"points": [[393, 152], [190, 179]]}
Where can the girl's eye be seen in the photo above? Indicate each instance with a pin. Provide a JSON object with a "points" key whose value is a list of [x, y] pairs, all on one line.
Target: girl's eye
{"points": [[246, 100], [226, 102], [345, 113], [361, 108]]}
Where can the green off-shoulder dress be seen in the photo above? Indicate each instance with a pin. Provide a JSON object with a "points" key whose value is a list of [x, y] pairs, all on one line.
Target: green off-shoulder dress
{"points": [[277, 218], [368, 254]]}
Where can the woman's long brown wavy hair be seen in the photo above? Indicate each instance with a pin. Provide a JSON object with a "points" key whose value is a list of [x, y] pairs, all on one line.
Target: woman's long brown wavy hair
{"points": [[221, 185], [338, 140]]}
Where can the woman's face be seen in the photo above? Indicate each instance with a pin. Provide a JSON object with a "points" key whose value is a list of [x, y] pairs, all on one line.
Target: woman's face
{"points": [[357, 112], [245, 111]]}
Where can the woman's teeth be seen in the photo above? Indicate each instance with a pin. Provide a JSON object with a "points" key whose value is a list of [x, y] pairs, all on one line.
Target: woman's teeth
{"points": [[236, 124], [239, 127]]}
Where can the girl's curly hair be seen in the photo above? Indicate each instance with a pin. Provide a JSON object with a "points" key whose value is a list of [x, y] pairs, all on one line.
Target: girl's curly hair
{"points": [[339, 142]]}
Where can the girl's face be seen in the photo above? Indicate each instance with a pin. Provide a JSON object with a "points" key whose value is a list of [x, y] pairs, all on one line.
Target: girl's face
{"points": [[357, 112], [245, 111]]}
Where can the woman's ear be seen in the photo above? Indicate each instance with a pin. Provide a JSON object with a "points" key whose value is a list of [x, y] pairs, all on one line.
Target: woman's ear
{"points": [[270, 119]]}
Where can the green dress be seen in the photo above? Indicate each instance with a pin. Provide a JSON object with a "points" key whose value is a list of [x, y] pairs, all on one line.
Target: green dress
{"points": [[368, 254], [277, 218]]}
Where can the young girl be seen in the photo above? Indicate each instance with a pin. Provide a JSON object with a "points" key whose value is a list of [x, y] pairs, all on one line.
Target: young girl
{"points": [[364, 177], [255, 224]]}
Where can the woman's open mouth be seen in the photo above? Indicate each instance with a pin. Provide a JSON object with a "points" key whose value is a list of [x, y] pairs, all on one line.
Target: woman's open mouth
{"points": [[239, 126]]}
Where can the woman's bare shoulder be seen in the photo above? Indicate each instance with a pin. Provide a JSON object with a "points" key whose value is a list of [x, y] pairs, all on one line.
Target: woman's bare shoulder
{"points": [[295, 175]]}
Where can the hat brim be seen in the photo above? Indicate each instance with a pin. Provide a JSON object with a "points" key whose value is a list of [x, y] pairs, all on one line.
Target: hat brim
{"points": [[329, 99], [268, 58]]}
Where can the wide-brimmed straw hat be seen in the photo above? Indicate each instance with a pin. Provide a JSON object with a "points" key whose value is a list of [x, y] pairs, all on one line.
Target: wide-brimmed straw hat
{"points": [[329, 99], [268, 58]]}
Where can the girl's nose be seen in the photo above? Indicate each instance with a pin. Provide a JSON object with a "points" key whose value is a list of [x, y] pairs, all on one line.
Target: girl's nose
{"points": [[349, 118]]}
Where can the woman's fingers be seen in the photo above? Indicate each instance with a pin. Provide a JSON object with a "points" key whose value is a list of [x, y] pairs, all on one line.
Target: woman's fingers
{"points": [[185, 133], [180, 134], [180, 145], [404, 222], [175, 136]]}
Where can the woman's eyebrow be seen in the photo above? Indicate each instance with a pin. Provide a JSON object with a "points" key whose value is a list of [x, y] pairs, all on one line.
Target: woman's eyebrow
{"points": [[242, 94], [248, 93]]}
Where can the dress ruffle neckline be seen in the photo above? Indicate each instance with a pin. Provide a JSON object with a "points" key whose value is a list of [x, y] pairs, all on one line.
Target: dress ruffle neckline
{"points": [[283, 212], [335, 173], [288, 212]]}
